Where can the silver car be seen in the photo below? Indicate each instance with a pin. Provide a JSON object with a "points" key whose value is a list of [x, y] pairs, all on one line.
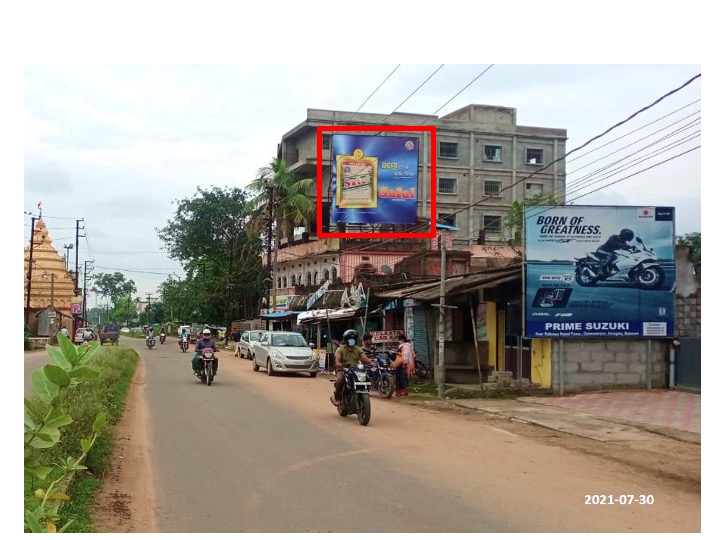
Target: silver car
{"points": [[286, 352], [247, 341]]}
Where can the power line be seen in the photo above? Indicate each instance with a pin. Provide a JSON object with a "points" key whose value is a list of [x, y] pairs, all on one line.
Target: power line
{"points": [[463, 89], [416, 90], [373, 92]]}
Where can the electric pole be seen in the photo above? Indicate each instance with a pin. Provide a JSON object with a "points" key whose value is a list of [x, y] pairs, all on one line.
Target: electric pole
{"points": [[270, 203], [67, 255], [86, 275], [29, 273], [77, 254], [440, 375]]}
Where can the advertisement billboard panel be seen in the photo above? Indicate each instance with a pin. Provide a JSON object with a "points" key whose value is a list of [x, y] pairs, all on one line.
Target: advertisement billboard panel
{"points": [[374, 179], [599, 271]]}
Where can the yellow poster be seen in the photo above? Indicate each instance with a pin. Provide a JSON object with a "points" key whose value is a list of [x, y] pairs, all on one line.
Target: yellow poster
{"points": [[357, 181]]}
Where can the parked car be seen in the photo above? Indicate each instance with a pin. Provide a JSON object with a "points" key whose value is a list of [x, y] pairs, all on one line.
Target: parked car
{"points": [[247, 342], [109, 334], [286, 352], [81, 331], [125, 330]]}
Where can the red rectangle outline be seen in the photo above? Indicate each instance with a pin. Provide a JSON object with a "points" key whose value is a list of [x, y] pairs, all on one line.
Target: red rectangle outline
{"points": [[433, 191]]}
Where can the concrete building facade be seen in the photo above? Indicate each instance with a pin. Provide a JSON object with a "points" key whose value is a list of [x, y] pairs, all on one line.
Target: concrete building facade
{"points": [[483, 156]]}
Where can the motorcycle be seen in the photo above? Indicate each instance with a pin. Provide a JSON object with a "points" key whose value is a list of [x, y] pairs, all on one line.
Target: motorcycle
{"points": [[355, 394], [207, 366], [162, 338], [638, 266], [150, 342], [184, 344], [382, 376]]}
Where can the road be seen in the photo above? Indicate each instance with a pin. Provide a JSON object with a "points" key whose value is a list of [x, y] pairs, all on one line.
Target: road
{"points": [[33, 361], [255, 453]]}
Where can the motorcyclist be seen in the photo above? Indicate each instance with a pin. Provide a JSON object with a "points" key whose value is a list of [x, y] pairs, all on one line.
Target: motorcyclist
{"points": [[162, 336], [615, 242], [150, 335], [347, 353], [205, 342], [183, 334]]}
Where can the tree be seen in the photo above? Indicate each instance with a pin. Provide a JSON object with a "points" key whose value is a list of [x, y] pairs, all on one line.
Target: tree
{"points": [[692, 240], [113, 286], [220, 253], [290, 195], [515, 219]]}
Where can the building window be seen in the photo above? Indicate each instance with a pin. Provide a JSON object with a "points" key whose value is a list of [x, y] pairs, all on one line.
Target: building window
{"points": [[534, 156], [493, 152], [334, 274], [294, 281], [315, 277], [309, 279], [279, 283], [447, 219], [326, 141], [448, 150], [533, 189], [492, 223], [326, 275], [284, 282], [447, 186], [492, 188]]}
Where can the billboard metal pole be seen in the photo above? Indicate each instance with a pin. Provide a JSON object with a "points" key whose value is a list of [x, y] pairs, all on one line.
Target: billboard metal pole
{"points": [[648, 363], [561, 367], [441, 322]]}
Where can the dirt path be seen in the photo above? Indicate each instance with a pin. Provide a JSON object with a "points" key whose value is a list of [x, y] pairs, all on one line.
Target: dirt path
{"points": [[126, 500]]}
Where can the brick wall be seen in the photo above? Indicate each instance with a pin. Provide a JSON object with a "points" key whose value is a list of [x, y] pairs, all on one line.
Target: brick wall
{"points": [[598, 364]]}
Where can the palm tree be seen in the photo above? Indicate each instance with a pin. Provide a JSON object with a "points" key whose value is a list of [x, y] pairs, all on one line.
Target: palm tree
{"points": [[291, 204]]}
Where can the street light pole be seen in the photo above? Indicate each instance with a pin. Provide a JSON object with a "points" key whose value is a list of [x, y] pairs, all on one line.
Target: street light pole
{"points": [[67, 255]]}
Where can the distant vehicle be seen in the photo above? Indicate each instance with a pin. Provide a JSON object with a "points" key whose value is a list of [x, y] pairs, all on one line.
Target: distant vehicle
{"points": [[247, 342], [284, 352], [109, 334], [81, 332], [125, 330]]}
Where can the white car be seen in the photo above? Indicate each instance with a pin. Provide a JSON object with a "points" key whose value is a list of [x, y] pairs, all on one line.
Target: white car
{"points": [[284, 352], [247, 342]]}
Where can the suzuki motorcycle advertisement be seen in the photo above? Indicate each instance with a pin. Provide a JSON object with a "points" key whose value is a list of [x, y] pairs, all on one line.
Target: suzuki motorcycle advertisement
{"points": [[599, 271]]}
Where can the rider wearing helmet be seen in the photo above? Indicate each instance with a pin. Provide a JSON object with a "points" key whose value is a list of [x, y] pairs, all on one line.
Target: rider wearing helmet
{"points": [[205, 342], [347, 353], [615, 242]]}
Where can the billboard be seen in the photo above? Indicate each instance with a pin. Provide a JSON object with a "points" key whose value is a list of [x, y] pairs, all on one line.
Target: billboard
{"points": [[599, 271], [374, 179]]}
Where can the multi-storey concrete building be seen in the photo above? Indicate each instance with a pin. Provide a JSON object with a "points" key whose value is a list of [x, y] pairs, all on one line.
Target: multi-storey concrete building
{"points": [[483, 157]]}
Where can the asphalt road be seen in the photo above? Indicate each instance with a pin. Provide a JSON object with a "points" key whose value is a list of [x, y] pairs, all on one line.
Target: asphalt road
{"points": [[255, 453], [33, 361]]}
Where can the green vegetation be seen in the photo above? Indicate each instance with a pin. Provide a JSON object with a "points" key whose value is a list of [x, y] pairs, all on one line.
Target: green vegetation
{"points": [[74, 398], [28, 345]]}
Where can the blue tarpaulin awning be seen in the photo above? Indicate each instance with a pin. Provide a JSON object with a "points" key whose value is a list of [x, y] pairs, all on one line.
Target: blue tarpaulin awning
{"points": [[279, 314]]}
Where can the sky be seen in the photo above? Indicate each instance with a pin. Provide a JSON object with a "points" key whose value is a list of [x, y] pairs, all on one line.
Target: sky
{"points": [[117, 146]]}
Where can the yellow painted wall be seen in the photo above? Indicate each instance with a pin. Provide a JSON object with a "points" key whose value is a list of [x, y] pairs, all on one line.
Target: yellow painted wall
{"points": [[501, 345], [540, 362], [492, 334]]}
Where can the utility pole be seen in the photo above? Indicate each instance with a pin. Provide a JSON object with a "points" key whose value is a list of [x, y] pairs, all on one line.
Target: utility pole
{"points": [[77, 254], [67, 255], [440, 376], [29, 273], [86, 275], [270, 203]]}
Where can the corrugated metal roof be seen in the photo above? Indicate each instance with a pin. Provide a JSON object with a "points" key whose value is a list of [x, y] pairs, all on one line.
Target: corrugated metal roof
{"points": [[455, 285]]}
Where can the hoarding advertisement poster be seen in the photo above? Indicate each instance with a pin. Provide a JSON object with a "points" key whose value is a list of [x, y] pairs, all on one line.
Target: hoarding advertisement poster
{"points": [[599, 271], [374, 179]]}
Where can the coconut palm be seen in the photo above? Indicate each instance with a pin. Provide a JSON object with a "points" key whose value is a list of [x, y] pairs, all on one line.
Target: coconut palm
{"points": [[289, 195]]}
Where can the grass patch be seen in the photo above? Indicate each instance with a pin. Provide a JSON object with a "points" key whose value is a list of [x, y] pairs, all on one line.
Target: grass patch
{"points": [[83, 402]]}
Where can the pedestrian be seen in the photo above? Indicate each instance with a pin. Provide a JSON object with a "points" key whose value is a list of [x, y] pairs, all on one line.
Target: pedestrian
{"points": [[64, 332], [404, 365], [236, 340]]}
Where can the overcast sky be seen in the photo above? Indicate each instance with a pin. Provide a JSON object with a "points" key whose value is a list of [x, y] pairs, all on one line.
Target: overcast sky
{"points": [[116, 145]]}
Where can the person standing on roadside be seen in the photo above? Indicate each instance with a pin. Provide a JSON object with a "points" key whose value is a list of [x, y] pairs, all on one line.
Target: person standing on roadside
{"points": [[404, 366], [236, 339]]}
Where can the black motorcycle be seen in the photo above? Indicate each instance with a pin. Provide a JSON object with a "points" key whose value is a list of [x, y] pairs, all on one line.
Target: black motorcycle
{"points": [[150, 342], [184, 344], [207, 366], [382, 376], [355, 394]]}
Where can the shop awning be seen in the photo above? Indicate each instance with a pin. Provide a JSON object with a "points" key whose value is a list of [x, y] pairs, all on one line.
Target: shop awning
{"points": [[455, 285], [280, 315]]}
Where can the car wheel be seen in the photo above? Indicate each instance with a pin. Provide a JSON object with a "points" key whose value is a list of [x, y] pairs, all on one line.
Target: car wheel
{"points": [[269, 368], [255, 366], [313, 374]]}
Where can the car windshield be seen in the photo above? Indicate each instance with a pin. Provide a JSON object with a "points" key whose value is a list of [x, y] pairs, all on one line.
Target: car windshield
{"points": [[288, 340], [111, 328], [254, 336]]}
